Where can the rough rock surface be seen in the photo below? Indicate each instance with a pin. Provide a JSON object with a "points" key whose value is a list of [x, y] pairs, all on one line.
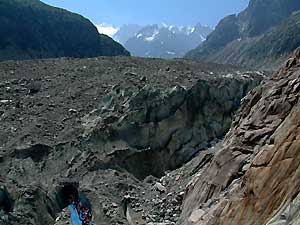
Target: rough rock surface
{"points": [[110, 128], [253, 177]]}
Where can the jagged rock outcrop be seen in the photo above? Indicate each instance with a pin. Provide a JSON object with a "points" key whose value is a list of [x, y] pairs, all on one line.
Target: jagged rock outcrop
{"points": [[100, 126], [156, 130], [253, 178]]}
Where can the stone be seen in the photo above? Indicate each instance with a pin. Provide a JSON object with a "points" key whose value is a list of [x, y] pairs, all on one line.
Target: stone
{"points": [[34, 87], [160, 187], [73, 111], [143, 79], [5, 101], [114, 205], [196, 215]]}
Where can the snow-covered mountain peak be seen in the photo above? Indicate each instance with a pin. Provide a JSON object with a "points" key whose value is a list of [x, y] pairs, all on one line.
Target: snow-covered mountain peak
{"points": [[164, 41]]}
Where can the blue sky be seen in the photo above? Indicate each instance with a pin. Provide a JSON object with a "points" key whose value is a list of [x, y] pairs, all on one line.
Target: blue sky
{"points": [[176, 12]]}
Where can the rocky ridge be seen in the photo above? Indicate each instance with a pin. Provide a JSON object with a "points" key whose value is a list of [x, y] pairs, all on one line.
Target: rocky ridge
{"points": [[261, 36], [252, 178]]}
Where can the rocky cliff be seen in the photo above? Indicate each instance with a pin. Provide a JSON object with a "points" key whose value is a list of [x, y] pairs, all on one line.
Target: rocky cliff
{"points": [[253, 175], [31, 29], [108, 128]]}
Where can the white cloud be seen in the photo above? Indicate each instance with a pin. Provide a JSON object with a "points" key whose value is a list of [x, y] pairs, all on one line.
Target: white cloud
{"points": [[107, 29]]}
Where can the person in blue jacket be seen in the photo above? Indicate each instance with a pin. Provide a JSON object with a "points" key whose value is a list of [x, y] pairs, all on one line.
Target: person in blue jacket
{"points": [[80, 210]]}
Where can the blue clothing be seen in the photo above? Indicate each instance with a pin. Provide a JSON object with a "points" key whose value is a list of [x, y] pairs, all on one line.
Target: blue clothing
{"points": [[74, 215]]}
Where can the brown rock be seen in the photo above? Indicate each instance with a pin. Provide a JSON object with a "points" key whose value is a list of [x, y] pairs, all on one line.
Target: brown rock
{"points": [[271, 181]]}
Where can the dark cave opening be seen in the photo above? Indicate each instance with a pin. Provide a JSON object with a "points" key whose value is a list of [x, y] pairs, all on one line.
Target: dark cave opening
{"points": [[6, 203], [67, 194]]}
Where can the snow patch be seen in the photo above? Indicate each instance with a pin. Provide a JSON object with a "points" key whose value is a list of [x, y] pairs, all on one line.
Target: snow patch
{"points": [[151, 38], [202, 38], [171, 53], [164, 25]]}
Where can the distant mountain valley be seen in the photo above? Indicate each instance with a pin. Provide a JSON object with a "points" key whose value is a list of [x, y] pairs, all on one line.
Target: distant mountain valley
{"points": [[161, 41]]}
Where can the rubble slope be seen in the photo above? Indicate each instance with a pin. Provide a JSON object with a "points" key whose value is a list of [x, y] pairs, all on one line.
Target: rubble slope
{"points": [[109, 128]]}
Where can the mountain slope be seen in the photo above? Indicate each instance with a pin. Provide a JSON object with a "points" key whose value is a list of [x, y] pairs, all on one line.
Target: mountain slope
{"points": [[253, 176], [261, 15], [126, 31], [277, 44], [166, 42], [245, 38], [44, 31], [226, 31]]}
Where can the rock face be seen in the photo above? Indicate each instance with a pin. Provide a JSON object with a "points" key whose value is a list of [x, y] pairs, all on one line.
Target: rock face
{"points": [[273, 47], [100, 126], [261, 36], [253, 177], [49, 32], [168, 128]]}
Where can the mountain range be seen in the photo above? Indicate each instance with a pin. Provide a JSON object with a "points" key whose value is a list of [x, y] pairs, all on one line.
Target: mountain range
{"points": [[262, 35], [161, 41], [126, 31], [31, 29]]}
